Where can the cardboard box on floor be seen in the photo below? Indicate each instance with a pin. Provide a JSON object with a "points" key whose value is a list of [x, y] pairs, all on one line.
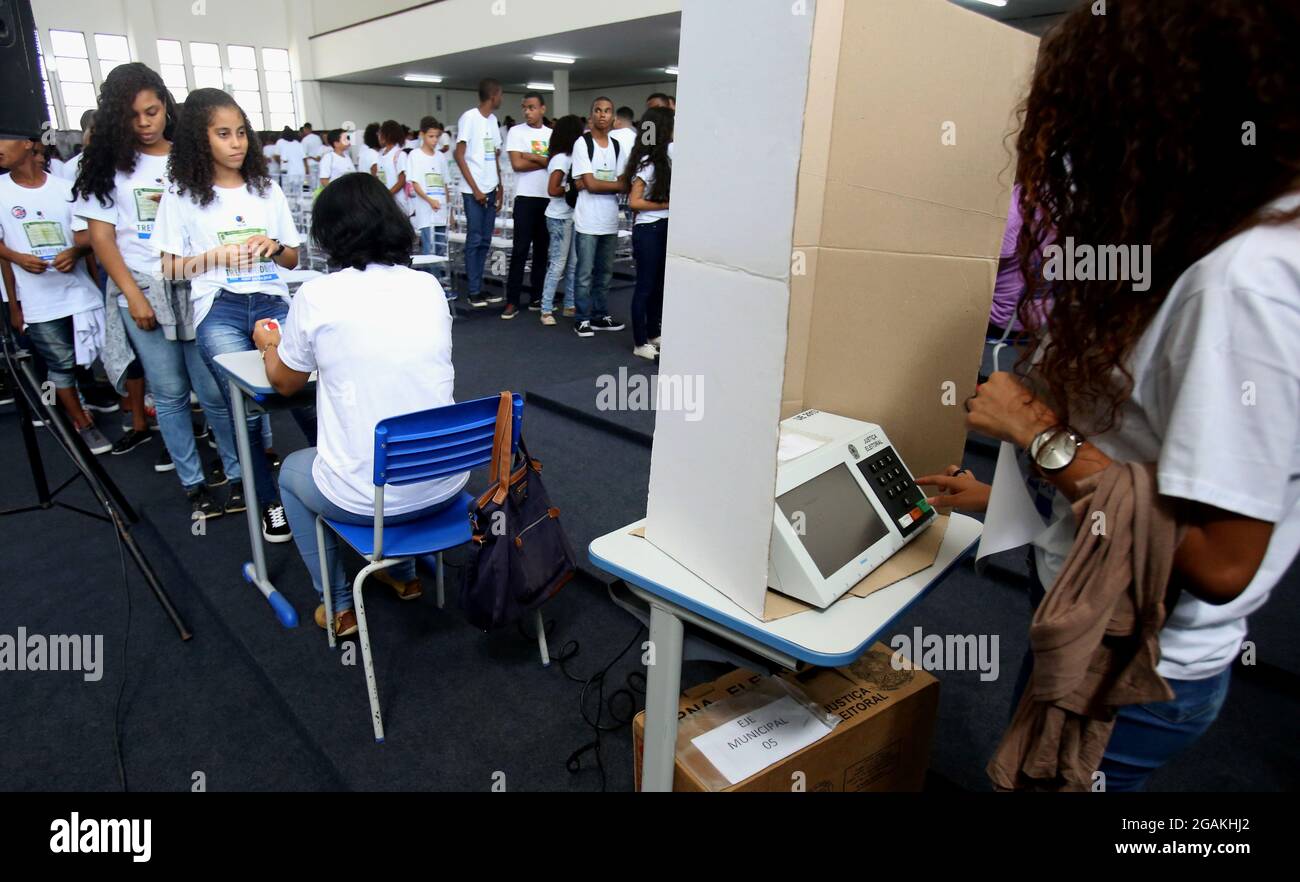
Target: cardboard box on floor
{"points": [[848, 267], [882, 743]]}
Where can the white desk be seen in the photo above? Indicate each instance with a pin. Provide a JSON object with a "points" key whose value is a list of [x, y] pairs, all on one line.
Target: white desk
{"points": [[428, 259], [246, 374], [827, 638]]}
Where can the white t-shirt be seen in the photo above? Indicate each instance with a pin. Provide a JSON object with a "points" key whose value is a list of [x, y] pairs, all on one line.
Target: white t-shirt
{"points": [[366, 158], [626, 138], [391, 167], [525, 139], [596, 214], [136, 197], [1216, 404], [381, 340], [428, 173], [647, 173], [72, 167], [312, 145], [444, 143], [291, 157], [187, 229], [272, 160], [412, 144], [559, 208], [482, 138], [333, 166], [38, 220]]}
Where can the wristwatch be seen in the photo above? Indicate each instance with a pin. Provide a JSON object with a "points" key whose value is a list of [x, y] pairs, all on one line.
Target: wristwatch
{"points": [[1052, 450], [279, 250]]}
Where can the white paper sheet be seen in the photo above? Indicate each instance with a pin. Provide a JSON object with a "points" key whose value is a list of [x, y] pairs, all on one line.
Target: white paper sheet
{"points": [[753, 741], [1011, 521], [794, 444]]}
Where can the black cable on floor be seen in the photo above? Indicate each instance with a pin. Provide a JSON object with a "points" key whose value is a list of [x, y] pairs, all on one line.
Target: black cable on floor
{"points": [[635, 685], [126, 636]]}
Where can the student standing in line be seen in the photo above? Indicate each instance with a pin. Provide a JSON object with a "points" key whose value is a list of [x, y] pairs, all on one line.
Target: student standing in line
{"points": [[293, 161], [559, 219], [336, 163], [478, 149], [73, 165], [528, 146], [598, 164], [649, 173], [226, 226], [1167, 372], [272, 158], [368, 160], [118, 192], [427, 172], [44, 273], [657, 99], [312, 147], [392, 162]]}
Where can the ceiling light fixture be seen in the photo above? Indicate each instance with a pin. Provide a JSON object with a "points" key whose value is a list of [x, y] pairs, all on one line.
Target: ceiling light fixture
{"points": [[542, 87], [422, 78], [554, 59], [671, 71]]}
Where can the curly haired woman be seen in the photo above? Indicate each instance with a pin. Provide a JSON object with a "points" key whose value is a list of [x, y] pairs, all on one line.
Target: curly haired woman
{"points": [[1171, 126]]}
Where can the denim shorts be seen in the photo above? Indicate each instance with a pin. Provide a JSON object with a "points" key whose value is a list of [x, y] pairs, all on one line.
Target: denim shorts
{"points": [[55, 342]]}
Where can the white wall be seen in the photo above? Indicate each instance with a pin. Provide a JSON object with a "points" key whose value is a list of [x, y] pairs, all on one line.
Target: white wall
{"points": [[362, 104], [630, 96], [331, 14]]}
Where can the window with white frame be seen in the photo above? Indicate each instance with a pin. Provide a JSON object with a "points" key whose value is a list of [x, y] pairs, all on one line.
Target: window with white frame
{"points": [[71, 62], [245, 87], [112, 50], [279, 89], [171, 65], [205, 60]]}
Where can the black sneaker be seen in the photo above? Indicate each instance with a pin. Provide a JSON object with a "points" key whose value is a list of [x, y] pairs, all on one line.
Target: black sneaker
{"points": [[235, 501], [535, 306], [583, 329], [217, 475], [130, 441], [510, 312], [201, 501], [496, 298], [478, 301], [100, 399], [607, 323], [275, 526], [164, 463]]}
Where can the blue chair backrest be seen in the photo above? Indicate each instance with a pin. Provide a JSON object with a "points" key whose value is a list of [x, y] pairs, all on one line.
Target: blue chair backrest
{"points": [[443, 441]]}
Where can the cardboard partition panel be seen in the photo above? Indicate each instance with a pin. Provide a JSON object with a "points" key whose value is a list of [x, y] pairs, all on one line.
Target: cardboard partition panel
{"points": [[834, 247]]}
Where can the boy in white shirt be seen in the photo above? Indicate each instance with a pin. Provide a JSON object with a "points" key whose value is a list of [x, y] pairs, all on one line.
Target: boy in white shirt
{"points": [[41, 260], [426, 172], [598, 164], [528, 146], [336, 163], [478, 149]]}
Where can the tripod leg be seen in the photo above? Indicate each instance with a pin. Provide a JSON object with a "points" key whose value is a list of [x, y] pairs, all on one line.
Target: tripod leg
{"points": [[150, 577], [25, 417]]}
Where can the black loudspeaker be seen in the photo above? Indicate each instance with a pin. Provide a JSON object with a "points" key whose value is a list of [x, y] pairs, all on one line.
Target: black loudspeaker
{"points": [[22, 109]]}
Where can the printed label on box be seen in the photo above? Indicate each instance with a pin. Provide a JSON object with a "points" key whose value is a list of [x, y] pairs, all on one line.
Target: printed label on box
{"points": [[751, 742]]}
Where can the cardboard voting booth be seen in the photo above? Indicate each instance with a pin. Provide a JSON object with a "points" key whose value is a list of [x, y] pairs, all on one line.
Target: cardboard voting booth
{"points": [[832, 247]]}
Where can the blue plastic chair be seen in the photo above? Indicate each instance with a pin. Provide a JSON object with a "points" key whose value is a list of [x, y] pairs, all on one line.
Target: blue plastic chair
{"points": [[412, 449]]}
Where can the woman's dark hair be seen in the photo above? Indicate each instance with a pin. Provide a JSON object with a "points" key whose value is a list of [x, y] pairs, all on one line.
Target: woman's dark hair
{"points": [[289, 134], [371, 136], [190, 164], [393, 132], [113, 149], [356, 222], [1162, 123], [656, 128], [567, 131]]}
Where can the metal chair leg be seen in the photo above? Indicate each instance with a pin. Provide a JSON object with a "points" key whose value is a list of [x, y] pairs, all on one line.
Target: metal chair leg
{"points": [[440, 579], [541, 640], [325, 580], [363, 635]]}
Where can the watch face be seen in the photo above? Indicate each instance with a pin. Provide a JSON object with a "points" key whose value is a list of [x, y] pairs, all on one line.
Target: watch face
{"points": [[1057, 453]]}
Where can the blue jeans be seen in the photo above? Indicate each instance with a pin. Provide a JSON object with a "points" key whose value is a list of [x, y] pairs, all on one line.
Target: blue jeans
{"points": [[55, 342], [480, 220], [173, 368], [228, 327], [433, 240], [563, 261], [1146, 736], [303, 501], [595, 271], [650, 249]]}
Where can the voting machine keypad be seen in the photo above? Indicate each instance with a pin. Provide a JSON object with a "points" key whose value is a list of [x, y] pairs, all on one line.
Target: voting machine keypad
{"points": [[896, 490]]}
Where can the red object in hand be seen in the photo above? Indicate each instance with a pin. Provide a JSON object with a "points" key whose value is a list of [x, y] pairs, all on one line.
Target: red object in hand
{"points": [[272, 325]]}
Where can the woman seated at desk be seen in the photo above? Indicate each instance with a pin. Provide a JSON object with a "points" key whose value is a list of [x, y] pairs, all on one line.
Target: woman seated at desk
{"points": [[379, 333]]}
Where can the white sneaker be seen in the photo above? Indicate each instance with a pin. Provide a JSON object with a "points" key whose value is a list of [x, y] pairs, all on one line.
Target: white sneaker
{"points": [[647, 352], [654, 341]]}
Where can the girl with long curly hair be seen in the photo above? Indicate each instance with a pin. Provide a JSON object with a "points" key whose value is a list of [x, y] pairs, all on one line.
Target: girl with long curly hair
{"points": [[649, 175], [1173, 127], [120, 182], [226, 226]]}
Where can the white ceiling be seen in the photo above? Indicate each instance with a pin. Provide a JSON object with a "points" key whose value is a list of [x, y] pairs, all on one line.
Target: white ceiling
{"points": [[623, 54]]}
